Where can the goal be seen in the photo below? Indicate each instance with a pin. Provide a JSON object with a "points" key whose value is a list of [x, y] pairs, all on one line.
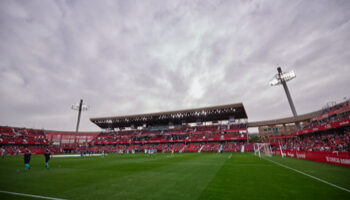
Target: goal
{"points": [[262, 149]]}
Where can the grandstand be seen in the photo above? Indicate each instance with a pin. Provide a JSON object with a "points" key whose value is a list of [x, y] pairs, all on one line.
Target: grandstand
{"points": [[221, 128], [209, 129], [326, 138], [14, 140]]}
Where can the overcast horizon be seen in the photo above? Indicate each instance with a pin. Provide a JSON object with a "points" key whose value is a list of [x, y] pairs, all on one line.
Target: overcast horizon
{"points": [[132, 57]]}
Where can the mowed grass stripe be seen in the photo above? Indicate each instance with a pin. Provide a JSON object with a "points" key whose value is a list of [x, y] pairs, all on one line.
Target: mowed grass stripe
{"points": [[178, 179], [116, 176], [112, 173], [265, 181], [334, 174], [308, 175], [68, 173]]}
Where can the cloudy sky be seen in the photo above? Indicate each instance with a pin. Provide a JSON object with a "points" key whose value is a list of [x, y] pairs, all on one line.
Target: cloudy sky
{"points": [[131, 57]]}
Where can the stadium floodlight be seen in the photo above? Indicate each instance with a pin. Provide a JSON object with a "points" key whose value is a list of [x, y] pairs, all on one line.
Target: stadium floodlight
{"points": [[283, 78], [79, 107], [286, 76]]}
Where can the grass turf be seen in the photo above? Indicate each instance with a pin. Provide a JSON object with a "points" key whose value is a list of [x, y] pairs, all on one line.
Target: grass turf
{"points": [[182, 176]]}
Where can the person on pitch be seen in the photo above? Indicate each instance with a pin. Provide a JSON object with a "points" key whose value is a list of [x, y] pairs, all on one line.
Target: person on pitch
{"points": [[3, 153], [27, 157], [47, 155]]}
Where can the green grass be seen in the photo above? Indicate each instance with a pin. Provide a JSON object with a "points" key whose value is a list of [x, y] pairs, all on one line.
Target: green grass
{"points": [[183, 176]]}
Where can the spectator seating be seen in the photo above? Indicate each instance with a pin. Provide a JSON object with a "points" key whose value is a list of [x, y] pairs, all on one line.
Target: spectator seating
{"points": [[329, 142]]}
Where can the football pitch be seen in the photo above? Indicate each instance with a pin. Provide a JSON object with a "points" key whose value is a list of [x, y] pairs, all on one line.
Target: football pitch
{"points": [[182, 176]]}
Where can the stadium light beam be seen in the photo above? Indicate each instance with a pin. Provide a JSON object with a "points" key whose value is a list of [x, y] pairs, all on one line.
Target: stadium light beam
{"points": [[80, 107], [283, 78]]}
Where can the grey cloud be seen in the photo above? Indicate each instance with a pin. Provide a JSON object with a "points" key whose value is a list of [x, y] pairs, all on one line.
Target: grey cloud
{"points": [[128, 57]]}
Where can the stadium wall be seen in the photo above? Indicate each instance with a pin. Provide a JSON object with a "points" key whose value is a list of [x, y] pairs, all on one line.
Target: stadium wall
{"points": [[335, 158]]}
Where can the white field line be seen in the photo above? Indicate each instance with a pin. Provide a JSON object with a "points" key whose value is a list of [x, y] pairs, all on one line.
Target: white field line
{"points": [[321, 180], [30, 195]]}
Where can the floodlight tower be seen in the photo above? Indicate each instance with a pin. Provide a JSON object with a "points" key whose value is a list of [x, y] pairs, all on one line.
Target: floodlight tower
{"points": [[80, 107], [283, 78]]}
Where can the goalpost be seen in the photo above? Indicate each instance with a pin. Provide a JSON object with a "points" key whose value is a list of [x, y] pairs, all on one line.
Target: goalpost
{"points": [[262, 149]]}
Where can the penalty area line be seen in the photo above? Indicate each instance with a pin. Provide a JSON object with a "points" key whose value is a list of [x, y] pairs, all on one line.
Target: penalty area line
{"points": [[300, 172], [30, 195]]}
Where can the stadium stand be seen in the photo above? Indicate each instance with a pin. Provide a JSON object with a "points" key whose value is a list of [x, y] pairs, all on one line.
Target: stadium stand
{"points": [[327, 132], [327, 141], [14, 140], [175, 139], [178, 131], [326, 138], [325, 135]]}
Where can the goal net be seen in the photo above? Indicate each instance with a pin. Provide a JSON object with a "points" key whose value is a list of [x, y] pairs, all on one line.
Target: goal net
{"points": [[262, 149]]}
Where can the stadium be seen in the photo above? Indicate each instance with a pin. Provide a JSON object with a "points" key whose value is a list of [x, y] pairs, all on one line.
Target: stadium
{"points": [[152, 141]]}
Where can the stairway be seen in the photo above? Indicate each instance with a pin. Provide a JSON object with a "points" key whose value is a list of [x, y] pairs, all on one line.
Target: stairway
{"points": [[183, 148], [242, 149], [200, 149]]}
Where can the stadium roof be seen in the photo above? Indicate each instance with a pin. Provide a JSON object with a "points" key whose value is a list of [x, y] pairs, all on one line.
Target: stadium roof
{"points": [[214, 113], [287, 120]]}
